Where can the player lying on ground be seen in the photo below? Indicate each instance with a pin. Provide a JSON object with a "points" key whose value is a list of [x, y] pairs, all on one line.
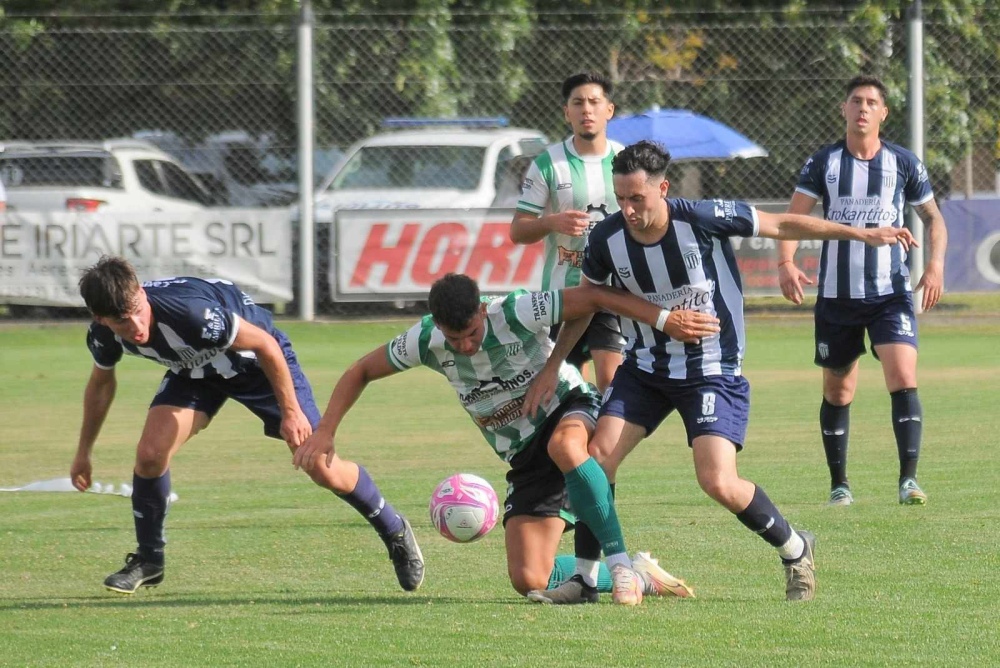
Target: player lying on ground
{"points": [[216, 344], [489, 350]]}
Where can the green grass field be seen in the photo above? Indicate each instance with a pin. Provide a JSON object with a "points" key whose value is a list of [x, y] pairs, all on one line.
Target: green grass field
{"points": [[264, 568]]}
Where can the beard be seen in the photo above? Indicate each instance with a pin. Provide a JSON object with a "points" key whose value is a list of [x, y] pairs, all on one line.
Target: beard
{"points": [[588, 136]]}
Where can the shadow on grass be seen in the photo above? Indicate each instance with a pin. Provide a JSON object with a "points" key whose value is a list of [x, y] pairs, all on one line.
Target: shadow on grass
{"points": [[126, 601]]}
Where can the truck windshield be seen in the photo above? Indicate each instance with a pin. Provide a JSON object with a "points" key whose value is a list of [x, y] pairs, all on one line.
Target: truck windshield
{"points": [[413, 168]]}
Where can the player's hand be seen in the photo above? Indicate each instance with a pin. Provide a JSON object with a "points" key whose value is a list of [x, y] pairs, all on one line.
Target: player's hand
{"points": [[932, 283], [295, 428], [690, 326], [887, 236], [791, 279], [571, 223], [541, 390], [317, 445], [80, 472]]}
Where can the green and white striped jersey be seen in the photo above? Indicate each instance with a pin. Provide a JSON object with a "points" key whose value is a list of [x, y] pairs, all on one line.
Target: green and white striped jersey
{"points": [[558, 180], [491, 384]]}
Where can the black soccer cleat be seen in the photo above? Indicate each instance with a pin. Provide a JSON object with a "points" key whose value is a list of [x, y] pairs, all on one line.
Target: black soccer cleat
{"points": [[406, 557], [137, 573]]}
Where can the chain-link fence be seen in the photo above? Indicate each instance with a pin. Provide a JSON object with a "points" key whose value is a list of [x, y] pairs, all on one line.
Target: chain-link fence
{"points": [[214, 98]]}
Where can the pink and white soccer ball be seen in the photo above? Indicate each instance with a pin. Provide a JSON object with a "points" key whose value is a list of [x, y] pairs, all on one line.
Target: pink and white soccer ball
{"points": [[464, 508]]}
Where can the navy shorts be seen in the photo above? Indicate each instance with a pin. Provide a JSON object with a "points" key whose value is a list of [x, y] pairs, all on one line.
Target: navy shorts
{"points": [[535, 485], [715, 405], [841, 326], [603, 333], [250, 388]]}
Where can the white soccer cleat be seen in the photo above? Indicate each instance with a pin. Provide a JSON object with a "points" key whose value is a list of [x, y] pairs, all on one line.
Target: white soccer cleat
{"points": [[626, 586], [656, 581]]}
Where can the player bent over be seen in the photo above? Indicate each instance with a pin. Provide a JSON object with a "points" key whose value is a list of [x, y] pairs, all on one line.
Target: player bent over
{"points": [[490, 350], [216, 344]]}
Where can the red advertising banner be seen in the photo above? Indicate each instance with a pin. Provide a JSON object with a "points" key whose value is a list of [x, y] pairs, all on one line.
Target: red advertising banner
{"points": [[382, 255], [393, 254]]}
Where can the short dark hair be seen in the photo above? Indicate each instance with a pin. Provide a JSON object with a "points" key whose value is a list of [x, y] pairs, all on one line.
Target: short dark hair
{"points": [[108, 288], [648, 156], [584, 78], [867, 80], [454, 301]]}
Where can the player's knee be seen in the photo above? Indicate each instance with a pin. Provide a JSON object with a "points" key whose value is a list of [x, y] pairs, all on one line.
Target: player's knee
{"points": [[720, 487], [525, 579], [334, 477], [151, 460], [839, 395]]}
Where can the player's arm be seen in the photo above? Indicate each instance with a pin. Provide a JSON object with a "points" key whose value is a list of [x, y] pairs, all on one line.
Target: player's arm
{"points": [[790, 277], [373, 366], [932, 280], [295, 427], [527, 228], [684, 325], [543, 386], [98, 396], [794, 226]]}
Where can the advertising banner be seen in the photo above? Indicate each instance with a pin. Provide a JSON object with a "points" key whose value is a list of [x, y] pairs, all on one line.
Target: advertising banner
{"points": [[398, 254], [43, 254], [972, 261]]}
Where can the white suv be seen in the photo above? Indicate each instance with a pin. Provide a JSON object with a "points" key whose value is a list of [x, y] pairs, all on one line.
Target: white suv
{"points": [[438, 164], [113, 175]]}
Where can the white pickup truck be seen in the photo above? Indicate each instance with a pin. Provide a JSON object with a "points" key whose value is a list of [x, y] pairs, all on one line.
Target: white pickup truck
{"points": [[430, 164], [113, 175]]}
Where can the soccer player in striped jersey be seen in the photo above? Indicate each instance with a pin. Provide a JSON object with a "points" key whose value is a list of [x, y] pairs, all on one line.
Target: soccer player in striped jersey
{"points": [[216, 344], [566, 191], [489, 350], [864, 181], [676, 254]]}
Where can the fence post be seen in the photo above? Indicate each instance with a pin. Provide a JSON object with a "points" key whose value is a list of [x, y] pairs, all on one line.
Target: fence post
{"points": [[915, 60], [306, 259]]}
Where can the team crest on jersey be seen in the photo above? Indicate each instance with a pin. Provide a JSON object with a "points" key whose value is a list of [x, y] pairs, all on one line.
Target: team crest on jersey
{"points": [[831, 175], [570, 257], [823, 350], [597, 214], [692, 259], [625, 272]]}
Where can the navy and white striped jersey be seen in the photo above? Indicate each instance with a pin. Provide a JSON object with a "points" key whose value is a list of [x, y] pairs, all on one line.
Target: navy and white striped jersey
{"points": [[864, 194], [194, 323], [691, 267]]}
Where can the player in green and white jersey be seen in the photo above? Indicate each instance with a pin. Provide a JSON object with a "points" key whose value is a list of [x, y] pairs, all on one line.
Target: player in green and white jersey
{"points": [[490, 350], [565, 193]]}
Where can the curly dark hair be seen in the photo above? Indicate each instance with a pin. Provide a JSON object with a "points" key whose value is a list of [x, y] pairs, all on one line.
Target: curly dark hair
{"points": [[644, 155], [454, 301], [108, 288]]}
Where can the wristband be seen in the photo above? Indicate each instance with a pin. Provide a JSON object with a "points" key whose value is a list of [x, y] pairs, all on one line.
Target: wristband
{"points": [[662, 320]]}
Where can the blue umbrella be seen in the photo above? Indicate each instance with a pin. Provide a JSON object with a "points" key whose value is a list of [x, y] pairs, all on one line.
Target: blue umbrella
{"points": [[688, 136]]}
